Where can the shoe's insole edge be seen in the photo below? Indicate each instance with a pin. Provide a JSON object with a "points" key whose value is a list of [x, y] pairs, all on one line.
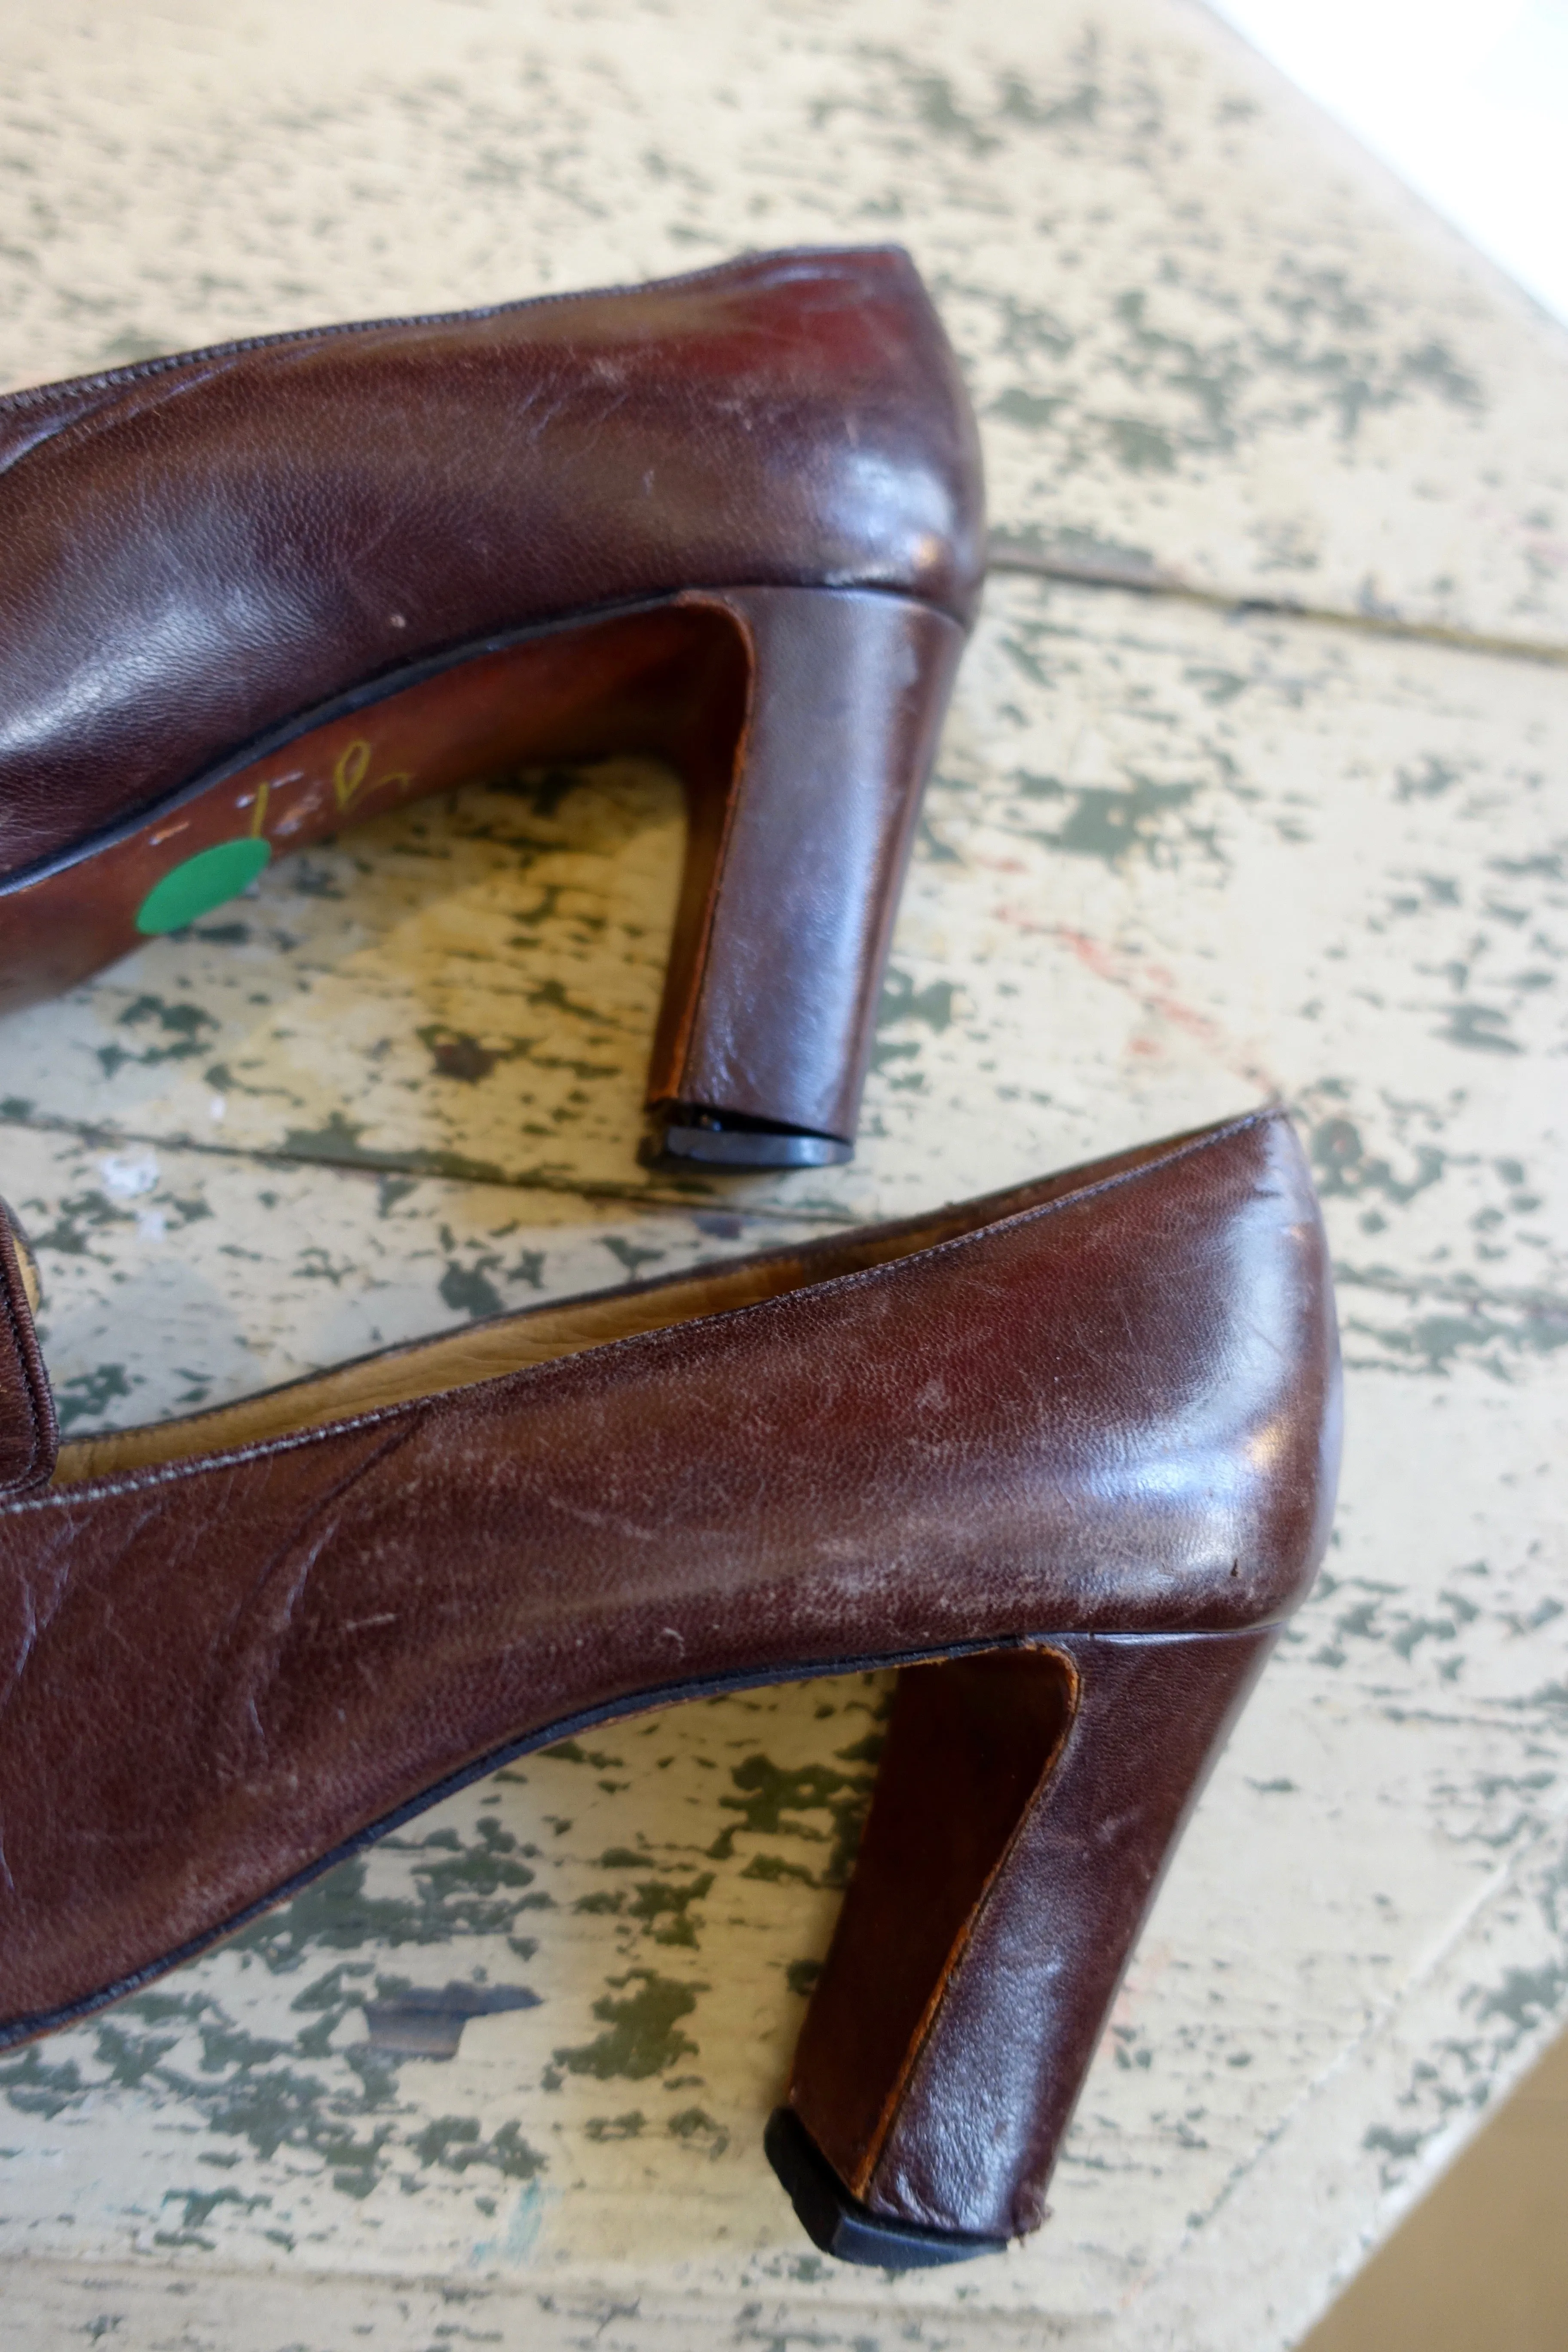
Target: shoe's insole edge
{"points": [[504, 1344]]}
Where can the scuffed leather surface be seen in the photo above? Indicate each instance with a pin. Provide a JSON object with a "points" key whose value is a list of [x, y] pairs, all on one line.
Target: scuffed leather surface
{"points": [[1116, 1411], [200, 548], [27, 1433]]}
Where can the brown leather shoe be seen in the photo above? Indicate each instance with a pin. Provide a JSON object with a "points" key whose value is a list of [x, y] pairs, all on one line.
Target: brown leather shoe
{"points": [[1067, 1454], [254, 593]]}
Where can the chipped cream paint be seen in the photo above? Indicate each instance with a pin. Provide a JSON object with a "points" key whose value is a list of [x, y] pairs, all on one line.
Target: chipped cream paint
{"points": [[1175, 855], [1204, 331]]}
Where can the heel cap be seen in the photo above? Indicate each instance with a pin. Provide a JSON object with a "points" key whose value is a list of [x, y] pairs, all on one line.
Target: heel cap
{"points": [[839, 2224], [732, 1143]]}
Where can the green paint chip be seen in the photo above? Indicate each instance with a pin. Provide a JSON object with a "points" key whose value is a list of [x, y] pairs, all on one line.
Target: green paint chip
{"points": [[202, 883]]}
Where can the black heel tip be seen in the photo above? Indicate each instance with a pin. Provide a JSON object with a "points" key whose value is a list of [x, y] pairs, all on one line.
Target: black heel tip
{"points": [[727, 1142], [840, 2224]]}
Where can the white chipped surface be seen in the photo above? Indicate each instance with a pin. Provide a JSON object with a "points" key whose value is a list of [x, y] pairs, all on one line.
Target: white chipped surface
{"points": [[1173, 858], [1202, 330]]}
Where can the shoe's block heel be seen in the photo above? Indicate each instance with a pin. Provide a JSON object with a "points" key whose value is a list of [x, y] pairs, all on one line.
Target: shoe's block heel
{"points": [[792, 882], [1026, 1807]]}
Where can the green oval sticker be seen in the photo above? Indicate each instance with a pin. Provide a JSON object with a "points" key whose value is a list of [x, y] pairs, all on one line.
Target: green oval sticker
{"points": [[202, 883]]}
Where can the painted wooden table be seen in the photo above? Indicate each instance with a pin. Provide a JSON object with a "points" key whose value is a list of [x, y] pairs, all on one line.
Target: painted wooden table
{"points": [[1257, 777]]}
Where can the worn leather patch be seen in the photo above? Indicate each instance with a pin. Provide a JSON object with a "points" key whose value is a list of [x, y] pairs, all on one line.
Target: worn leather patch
{"points": [[28, 1437]]}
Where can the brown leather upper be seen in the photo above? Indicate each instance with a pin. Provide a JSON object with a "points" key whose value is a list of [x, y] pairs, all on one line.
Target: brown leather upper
{"points": [[1112, 1410], [202, 548]]}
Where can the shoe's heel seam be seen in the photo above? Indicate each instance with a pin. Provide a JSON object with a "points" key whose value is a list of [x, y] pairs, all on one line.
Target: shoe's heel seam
{"points": [[1046, 2067], [830, 761], [865, 2172], [677, 1050], [731, 601]]}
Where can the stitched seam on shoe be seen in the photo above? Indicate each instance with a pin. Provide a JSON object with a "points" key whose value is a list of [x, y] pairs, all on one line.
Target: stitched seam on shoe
{"points": [[143, 371], [166, 1472], [24, 1368]]}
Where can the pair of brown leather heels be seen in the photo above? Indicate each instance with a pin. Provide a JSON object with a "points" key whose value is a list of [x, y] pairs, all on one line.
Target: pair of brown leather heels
{"points": [[1065, 1455]]}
